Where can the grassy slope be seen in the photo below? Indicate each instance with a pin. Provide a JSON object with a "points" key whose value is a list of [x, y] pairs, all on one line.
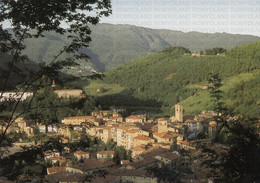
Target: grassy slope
{"points": [[168, 79], [201, 100]]}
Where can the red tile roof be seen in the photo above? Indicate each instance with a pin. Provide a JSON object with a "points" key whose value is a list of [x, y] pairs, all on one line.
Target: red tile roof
{"points": [[80, 117], [133, 117], [54, 170], [106, 152], [81, 153], [190, 121], [142, 137]]}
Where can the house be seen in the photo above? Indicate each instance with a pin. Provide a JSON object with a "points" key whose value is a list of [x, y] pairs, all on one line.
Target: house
{"points": [[69, 93], [60, 160], [77, 120], [22, 124], [65, 131], [142, 149], [54, 170], [169, 158], [187, 145], [133, 119], [137, 150], [117, 119], [29, 130], [42, 128], [105, 154], [121, 135], [141, 139], [195, 54], [125, 162], [52, 129], [107, 134], [15, 96], [89, 166], [212, 129], [81, 155], [117, 175], [51, 153], [193, 125], [129, 135]]}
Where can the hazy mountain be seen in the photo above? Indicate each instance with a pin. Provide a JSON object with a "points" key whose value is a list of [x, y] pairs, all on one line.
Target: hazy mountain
{"points": [[114, 45]]}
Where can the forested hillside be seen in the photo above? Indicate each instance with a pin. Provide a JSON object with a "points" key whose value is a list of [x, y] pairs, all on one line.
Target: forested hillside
{"points": [[15, 77], [168, 77], [113, 45]]}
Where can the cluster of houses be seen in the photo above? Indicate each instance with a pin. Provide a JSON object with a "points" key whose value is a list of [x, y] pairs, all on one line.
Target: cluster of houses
{"points": [[133, 132], [151, 142]]}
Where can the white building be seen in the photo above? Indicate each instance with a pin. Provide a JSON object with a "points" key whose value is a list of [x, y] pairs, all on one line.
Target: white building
{"points": [[15, 96]]}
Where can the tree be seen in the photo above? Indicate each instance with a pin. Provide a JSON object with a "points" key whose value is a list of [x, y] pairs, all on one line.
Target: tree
{"points": [[165, 173], [237, 160], [31, 19]]}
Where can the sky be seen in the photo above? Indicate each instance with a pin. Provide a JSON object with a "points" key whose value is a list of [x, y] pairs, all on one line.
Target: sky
{"points": [[230, 16]]}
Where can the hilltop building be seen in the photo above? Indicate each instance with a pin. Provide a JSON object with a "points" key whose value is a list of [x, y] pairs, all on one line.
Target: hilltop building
{"points": [[76, 93]]}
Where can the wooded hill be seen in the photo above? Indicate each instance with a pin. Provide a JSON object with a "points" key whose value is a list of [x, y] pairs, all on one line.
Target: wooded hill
{"points": [[113, 45], [167, 77]]}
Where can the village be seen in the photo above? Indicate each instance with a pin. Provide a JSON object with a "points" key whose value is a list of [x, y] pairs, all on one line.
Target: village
{"points": [[149, 142]]}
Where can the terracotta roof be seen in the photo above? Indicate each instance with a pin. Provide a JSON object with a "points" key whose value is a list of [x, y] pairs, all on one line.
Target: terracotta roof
{"points": [[92, 164], [58, 158], [213, 124], [154, 130], [142, 137], [106, 152], [69, 90], [132, 131], [144, 163], [162, 119], [107, 127], [151, 149], [169, 155], [133, 117], [81, 153], [187, 142], [139, 148], [125, 162], [124, 127], [165, 135], [80, 117], [109, 122], [190, 121], [54, 170]]}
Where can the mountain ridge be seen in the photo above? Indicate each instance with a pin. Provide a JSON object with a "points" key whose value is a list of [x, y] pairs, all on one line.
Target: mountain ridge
{"points": [[113, 45]]}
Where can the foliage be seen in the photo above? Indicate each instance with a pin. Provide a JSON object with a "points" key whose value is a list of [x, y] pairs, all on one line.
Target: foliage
{"points": [[237, 161], [30, 19], [120, 154], [214, 51], [165, 173], [176, 51]]}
